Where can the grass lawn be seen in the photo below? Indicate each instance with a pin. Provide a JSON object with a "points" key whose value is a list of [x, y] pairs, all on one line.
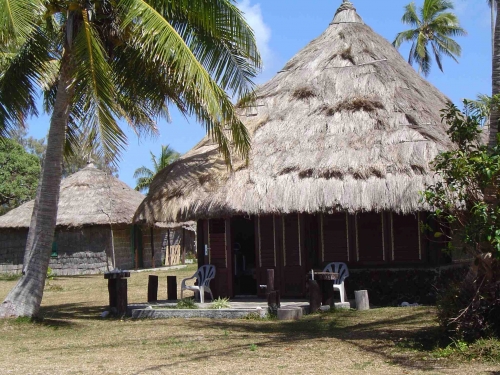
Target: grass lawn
{"points": [[73, 339]]}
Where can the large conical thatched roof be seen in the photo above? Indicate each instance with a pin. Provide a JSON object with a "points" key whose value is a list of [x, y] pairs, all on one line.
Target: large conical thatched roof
{"points": [[88, 197], [346, 125]]}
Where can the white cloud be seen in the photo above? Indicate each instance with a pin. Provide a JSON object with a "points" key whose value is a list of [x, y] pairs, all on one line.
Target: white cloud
{"points": [[253, 15]]}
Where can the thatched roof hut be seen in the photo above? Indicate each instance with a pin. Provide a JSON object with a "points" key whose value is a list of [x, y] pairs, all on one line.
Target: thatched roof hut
{"points": [[346, 125], [88, 197], [342, 141], [94, 231]]}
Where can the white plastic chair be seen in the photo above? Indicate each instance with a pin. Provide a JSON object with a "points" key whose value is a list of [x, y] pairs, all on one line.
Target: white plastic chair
{"points": [[203, 276], [343, 271]]}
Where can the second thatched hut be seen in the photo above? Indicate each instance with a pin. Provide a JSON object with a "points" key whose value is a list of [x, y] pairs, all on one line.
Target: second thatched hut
{"points": [[342, 140], [94, 231]]}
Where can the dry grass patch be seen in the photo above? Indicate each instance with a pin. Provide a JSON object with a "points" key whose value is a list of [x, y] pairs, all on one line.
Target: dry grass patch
{"points": [[72, 339]]}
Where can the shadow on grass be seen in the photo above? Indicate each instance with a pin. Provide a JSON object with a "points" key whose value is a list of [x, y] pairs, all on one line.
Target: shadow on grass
{"points": [[71, 311], [379, 336]]}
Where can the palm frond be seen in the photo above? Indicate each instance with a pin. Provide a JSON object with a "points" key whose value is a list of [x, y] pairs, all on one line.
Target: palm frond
{"points": [[143, 172], [405, 36], [219, 37], [95, 91], [18, 19], [163, 44], [20, 80], [410, 16]]}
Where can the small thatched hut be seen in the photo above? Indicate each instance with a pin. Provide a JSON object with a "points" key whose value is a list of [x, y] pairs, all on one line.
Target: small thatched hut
{"points": [[342, 139], [94, 230]]}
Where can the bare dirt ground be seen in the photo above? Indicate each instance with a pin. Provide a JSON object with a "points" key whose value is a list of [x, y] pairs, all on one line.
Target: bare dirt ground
{"points": [[73, 339]]}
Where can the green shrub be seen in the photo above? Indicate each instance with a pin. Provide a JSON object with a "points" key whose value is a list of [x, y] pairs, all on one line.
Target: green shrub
{"points": [[50, 274], [220, 303], [468, 313], [186, 303]]}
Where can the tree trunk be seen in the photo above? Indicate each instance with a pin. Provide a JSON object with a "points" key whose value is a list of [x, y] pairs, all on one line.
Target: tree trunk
{"points": [[25, 298], [495, 84]]}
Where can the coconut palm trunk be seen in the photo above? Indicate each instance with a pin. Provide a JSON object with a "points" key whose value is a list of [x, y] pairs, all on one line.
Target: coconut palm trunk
{"points": [[25, 298], [495, 83]]}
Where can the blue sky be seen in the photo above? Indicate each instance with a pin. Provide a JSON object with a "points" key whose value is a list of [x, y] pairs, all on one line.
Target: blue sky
{"points": [[283, 27]]}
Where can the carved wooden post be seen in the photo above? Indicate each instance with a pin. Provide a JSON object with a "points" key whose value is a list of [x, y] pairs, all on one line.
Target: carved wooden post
{"points": [[153, 288], [183, 246], [172, 288], [315, 296], [273, 296]]}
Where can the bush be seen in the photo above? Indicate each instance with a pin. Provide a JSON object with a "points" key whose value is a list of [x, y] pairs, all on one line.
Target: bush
{"points": [[220, 303], [186, 303], [470, 313]]}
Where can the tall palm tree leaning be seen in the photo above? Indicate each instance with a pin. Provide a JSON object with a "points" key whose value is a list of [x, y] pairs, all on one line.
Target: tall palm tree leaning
{"points": [[493, 9], [101, 61], [433, 28], [495, 77], [145, 176]]}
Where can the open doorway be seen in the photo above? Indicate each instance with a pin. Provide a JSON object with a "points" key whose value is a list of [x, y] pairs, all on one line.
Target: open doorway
{"points": [[244, 265]]}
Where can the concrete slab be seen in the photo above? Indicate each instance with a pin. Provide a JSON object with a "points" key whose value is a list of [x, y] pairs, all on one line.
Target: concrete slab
{"points": [[195, 313], [238, 309]]}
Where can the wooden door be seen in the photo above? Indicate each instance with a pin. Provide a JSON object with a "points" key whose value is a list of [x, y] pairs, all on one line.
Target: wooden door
{"points": [[293, 271], [218, 256], [267, 256], [370, 238]]}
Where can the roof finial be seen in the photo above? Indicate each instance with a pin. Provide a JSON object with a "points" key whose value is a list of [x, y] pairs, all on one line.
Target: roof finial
{"points": [[347, 13]]}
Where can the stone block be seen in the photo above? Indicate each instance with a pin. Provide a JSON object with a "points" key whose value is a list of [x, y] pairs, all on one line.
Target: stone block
{"points": [[290, 313]]}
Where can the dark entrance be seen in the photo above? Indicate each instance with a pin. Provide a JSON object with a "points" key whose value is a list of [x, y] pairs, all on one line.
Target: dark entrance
{"points": [[244, 264]]}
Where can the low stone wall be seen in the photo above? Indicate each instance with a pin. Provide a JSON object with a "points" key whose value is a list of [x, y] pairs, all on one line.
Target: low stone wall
{"points": [[12, 244], [391, 287], [80, 251]]}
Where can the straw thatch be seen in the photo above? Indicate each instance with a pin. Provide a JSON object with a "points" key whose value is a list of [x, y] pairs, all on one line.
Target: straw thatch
{"points": [[88, 197], [346, 125]]}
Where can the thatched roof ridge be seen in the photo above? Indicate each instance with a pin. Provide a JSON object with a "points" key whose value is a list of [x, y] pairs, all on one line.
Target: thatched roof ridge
{"points": [[346, 125], [88, 197]]}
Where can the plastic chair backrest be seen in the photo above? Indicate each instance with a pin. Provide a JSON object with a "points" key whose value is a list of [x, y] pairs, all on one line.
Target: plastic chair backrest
{"points": [[205, 274], [340, 268]]}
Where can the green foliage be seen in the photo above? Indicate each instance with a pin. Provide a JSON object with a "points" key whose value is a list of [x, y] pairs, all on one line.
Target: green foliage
{"points": [[220, 303], [465, 201], [433, 26], [50, 274], [129, 60], [145, 175], [186, 303], [10, 276], [466, 196], [253, 347], [487, 350], [19, 173]]}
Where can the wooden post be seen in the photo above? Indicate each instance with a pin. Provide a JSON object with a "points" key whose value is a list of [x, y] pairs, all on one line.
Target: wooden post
{"points": [[273, 296], [152, 248], [112, 293], [136, 249], [270, 280], [315, 295], [171, 288], [153, 288], [168, 244], [362, 302], [121, 292], [327, 291], [183, 246]]}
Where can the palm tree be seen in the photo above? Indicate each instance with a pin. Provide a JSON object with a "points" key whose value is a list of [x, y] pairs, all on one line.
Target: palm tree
{"points": [[433, 27], [145, 176], [495, 82], [98, 62]]}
